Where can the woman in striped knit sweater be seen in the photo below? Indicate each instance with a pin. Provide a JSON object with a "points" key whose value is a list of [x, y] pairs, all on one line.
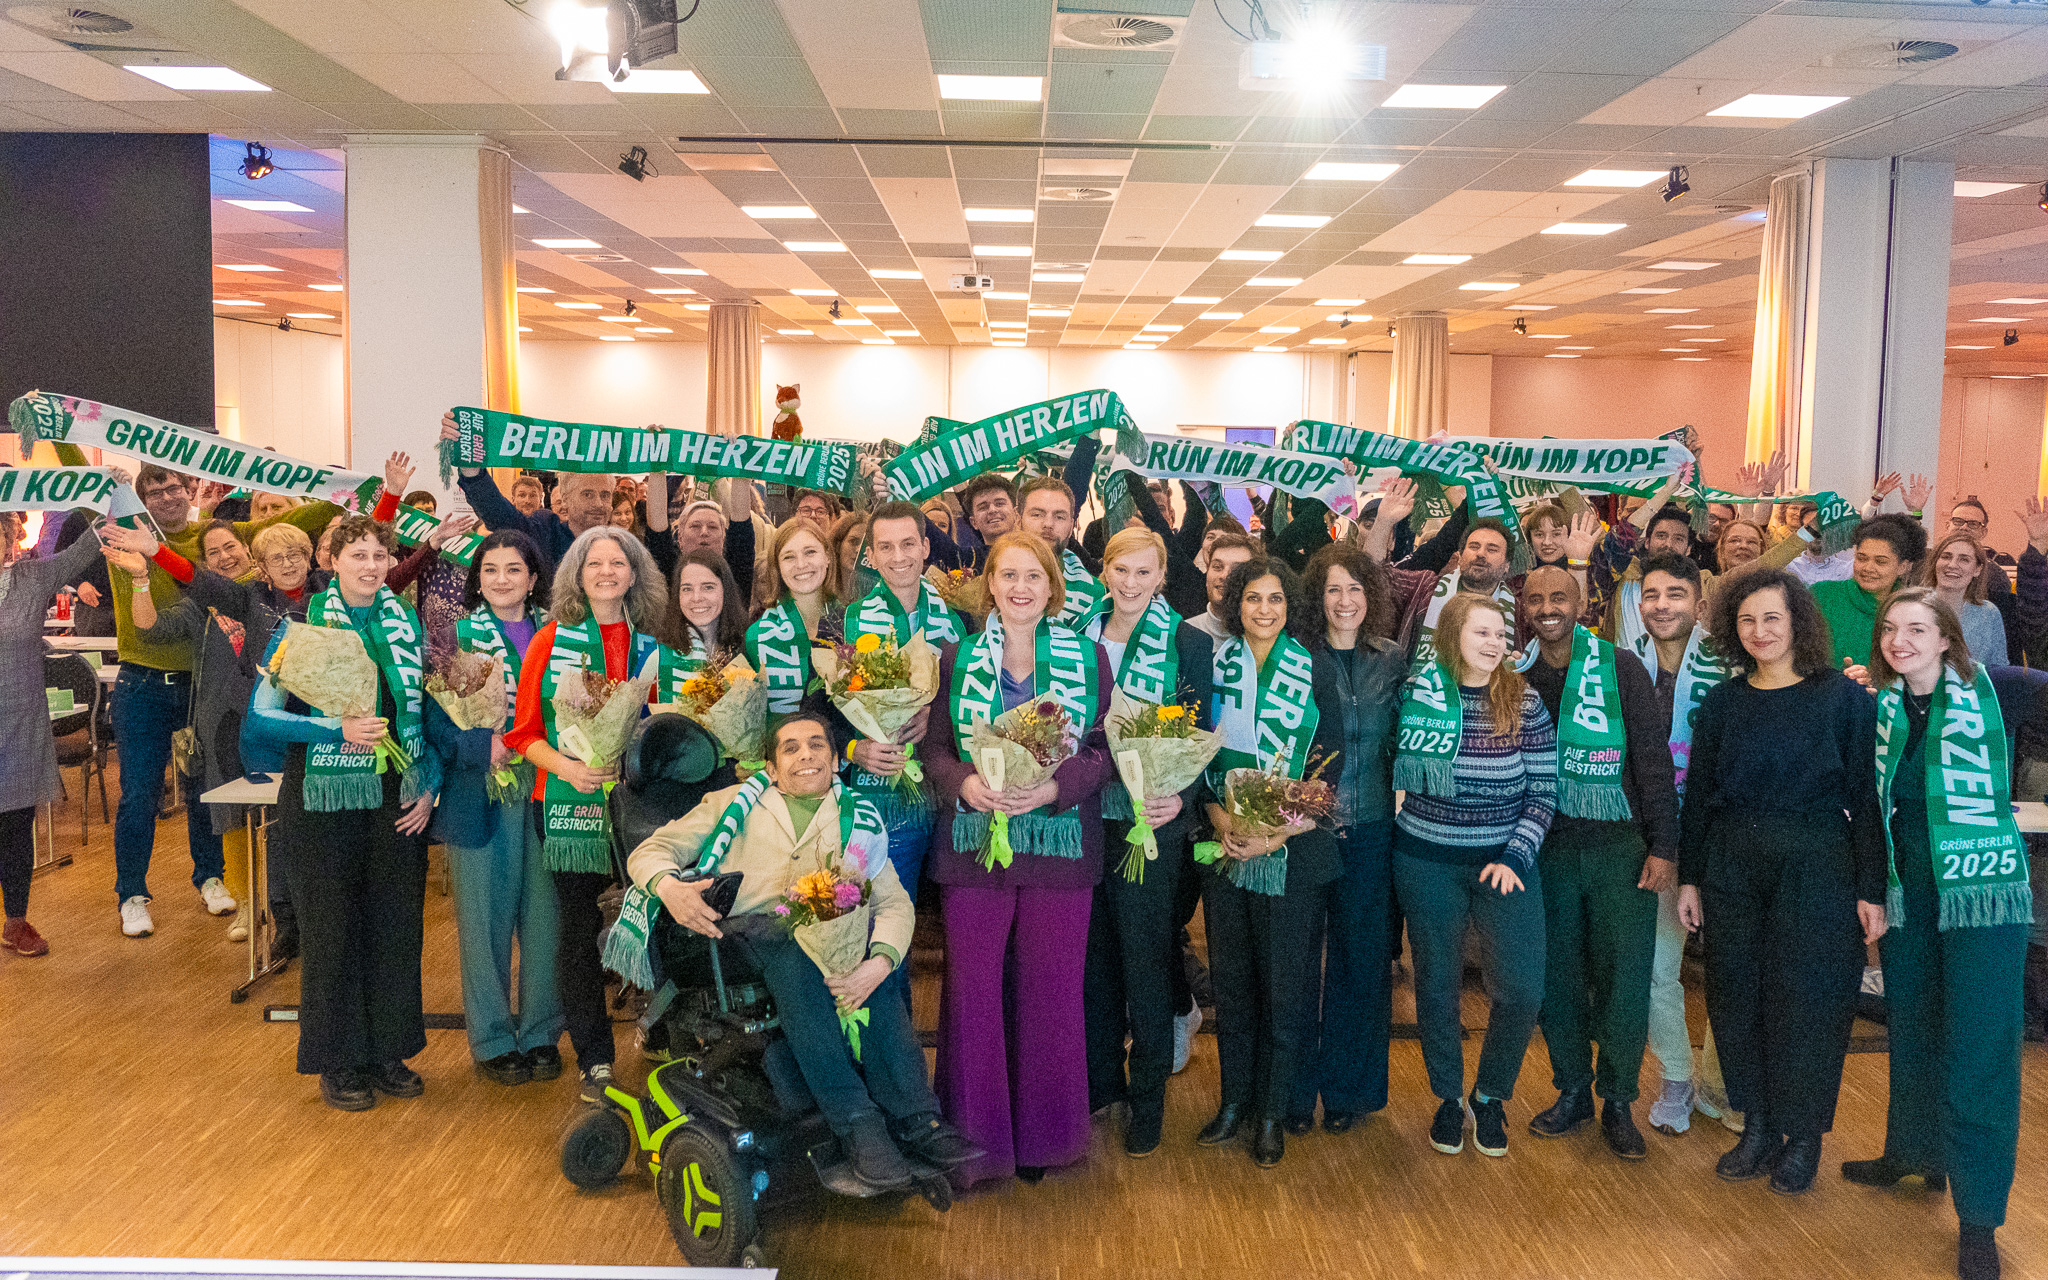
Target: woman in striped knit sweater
{"points": [[1477, 755]]}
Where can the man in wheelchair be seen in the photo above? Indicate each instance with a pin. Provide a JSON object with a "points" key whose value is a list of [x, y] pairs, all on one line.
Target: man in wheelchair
{"points": [[881, 1107]]}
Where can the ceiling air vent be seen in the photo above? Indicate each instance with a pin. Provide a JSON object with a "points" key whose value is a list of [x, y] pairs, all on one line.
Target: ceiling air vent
{"points": [[1116, 31], [596, 257], [1893, 53], [63, 20], [1078, 195]]}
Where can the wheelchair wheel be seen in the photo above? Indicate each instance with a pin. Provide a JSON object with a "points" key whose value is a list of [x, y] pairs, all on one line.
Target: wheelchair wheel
{"points": [[596, 1148], [708, 1199]]}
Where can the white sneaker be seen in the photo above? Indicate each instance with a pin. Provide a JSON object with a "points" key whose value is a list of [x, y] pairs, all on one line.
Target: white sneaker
{"points": [[1672, 1111], [239, 930], [135, 921], [1184, 1027], [215, 895]]}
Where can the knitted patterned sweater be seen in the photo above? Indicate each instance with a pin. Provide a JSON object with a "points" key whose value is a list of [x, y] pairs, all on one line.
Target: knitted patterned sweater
{"points": [[1507, 792]]}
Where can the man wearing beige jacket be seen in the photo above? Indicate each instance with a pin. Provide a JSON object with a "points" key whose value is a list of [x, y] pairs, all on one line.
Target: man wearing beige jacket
{"points": [[881, 1104]]}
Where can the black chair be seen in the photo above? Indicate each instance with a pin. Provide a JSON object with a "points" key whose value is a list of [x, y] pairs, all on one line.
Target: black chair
{"points": [[80, 743]]}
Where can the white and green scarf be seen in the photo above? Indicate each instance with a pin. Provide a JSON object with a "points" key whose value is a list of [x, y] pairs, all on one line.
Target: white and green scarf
{"points": [[57, 488], [344, 775], [961, 450], [880, 613], [1698, 671], [1447, 586], [1085, 592], [1267, 715], [779, 648], [1432, 725], [1980, 861], [575, 827], [481, 632], [1592, 745], [1063, 670], [1432, 465], [1149, 672], [489, 438], [413, 526]]}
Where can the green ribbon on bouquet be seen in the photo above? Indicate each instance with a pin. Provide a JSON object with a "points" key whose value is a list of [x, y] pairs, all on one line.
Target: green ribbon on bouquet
{"points": [[851, 1023], [998, 853]]}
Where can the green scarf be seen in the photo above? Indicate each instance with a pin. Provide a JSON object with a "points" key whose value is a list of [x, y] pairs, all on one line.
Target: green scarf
{"points": [[57, 488], [575, 827], [779, 647], [411, 526], [1149, 672], [1980, 861], [949, 458], [880, 613], [1267, 715], [1063, 669], [1433, 466], [1591, 742], [1235, 465], [343, 775], [481, 632], [1085, 592], [489, 438], [1698, 671], [1432, 724]]}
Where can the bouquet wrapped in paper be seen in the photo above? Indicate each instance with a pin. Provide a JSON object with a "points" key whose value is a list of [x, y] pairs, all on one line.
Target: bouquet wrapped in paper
{"points": [[964, 593], [827, 913], [1160, 750], [729, 700], [595, 715], [1268, 803], [328, 669], [879, 686], [470, 687], [1019, 748]]}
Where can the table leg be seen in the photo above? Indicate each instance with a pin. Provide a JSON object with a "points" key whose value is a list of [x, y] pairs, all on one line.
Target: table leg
{"points": [[263, 927]]}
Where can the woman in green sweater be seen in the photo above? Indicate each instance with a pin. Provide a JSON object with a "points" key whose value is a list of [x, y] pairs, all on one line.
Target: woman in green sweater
{"points": [[1888, 550]]}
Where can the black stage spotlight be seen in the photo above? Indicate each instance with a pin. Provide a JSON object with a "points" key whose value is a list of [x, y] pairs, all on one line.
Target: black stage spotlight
{"points": [[1522, 326], [1675, 184], [285, 323], [2012, 336], [630, 307], [634, 165], [2042, 203], [833, 310], [256, 161]]}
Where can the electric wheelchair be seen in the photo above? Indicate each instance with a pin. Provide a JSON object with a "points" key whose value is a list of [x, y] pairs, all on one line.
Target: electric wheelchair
{"points": [[726, 1127]]}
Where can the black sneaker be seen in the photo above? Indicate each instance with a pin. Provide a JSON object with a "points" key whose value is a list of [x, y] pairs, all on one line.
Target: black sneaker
{"points": [[935, 1142], [545, 1062], [1447, 1131], [1489, 1126], [874, 1155], [506, 1068], [396, 1079], [595, 1078], [346, 1091]]}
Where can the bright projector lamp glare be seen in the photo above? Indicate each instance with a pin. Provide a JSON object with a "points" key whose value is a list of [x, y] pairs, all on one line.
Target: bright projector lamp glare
{"points": [[583, 32], [1309, 65]]}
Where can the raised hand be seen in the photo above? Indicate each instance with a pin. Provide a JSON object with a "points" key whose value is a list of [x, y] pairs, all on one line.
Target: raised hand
{"points": [[209, 494], [454, 526], [1919, 490], [398, 471], [1749, 479], [1886, 484], [2035, 517], [1774, 472], [1583, 535], [140, 541], [126, 561], [1397, 500]]}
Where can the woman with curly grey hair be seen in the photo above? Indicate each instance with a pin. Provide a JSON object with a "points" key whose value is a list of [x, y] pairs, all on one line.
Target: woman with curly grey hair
{"points": [[609, 602]]}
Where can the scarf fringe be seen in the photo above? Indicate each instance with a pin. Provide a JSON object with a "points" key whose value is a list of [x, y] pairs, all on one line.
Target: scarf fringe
{"points": [[1894, 903], [1594, 801], [1116, 803], [1429, 777], [626, 956], [22, 419], [412, 783], [576, 853], [1983, 906], [336, 792], [899, 812], [1058, 836], [1267, 875]]}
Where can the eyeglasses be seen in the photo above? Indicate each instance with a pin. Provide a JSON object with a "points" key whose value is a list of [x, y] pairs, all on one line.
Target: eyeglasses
{"points": [[1964, 523], [285, 559]]}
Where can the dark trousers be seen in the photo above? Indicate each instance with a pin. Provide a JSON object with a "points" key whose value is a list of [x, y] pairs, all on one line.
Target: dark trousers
{"points": [[1265, 978], [1784, 958], [890, 1076], [906, 859], [362, 888], [579, 964], [1344, 1058], [1440, 899], [1127, 979], [147, 711], [1600, 937], [1953, 1008], [1187, 897], [17, 859]]}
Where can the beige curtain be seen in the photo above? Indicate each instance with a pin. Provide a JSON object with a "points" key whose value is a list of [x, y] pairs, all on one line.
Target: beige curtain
{"points": [[1776, 361], [1419, 390], [732, 371]]}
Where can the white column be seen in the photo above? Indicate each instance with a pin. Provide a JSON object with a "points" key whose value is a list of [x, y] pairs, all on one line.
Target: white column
{"points": [[1874, 310], [431, 316]]}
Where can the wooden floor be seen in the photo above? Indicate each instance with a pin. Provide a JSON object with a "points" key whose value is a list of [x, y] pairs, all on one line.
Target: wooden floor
{"points": [[143, 1114]]}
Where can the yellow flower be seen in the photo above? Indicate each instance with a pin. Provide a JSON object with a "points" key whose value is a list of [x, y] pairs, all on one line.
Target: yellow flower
{"points": [[867, 643], [1172, 713], [816, 886]]}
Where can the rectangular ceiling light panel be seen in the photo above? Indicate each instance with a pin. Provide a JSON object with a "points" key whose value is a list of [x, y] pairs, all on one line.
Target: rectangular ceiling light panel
{"points": [[1444, 97], [993, 88]]}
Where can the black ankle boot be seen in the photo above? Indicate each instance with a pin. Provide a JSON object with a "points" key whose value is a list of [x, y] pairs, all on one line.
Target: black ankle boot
{"points": [[1571, 1111], [1268, 1144], [1753, 1153], [1977, 1254], [1142, 1130], [1797, 1165], [1229, 1118], [1299, 1125], [1887, 1172]]}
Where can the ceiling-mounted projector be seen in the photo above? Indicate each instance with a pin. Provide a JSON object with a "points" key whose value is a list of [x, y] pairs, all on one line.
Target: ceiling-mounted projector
{"points": [[1309, 65]]}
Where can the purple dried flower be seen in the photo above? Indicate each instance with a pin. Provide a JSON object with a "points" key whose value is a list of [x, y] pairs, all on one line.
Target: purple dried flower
{"points": [[782, 908], [846, 895]]}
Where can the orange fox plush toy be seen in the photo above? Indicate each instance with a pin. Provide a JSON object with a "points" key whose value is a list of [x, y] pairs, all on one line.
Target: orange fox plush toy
{"points": [[787, 425]]}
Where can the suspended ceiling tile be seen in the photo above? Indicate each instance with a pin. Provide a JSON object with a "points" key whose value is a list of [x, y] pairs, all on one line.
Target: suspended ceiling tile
{"points": [[87, 76], [865, 57], [420, 77], [669, 205]]}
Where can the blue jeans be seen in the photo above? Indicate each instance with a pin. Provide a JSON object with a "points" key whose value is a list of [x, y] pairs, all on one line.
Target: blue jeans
{"points": [[147, 711], [906, 855], [503, 894]]}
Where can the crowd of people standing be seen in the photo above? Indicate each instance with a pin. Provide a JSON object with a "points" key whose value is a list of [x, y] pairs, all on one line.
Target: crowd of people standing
{"points": [[1605, 732]]}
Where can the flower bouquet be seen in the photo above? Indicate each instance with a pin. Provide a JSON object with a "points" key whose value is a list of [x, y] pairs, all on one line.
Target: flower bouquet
{"points": [[963, 592], [470, 686], [595, 715], [1268, 803], [1019, 748], [729, 700], [1159, 751], [328, 669], [827, 913], [879, 687]]}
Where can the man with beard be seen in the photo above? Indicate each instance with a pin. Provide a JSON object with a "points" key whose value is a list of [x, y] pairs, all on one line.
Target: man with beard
{"points": [[1481, 568], [1616, 803]]}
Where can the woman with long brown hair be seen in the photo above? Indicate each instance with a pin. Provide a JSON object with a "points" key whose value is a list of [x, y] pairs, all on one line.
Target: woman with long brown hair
{"points": [[1477, 754], [802, 608], [1781, 868], [1959, 571]]}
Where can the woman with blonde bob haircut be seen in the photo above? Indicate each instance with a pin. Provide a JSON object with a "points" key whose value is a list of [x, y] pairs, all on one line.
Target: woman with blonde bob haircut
{"points": [[1477, 754], [1958, 909], [800, 607]]}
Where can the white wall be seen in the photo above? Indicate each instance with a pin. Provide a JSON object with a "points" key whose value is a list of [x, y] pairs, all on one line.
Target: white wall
{"points": [[281, 390]]}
